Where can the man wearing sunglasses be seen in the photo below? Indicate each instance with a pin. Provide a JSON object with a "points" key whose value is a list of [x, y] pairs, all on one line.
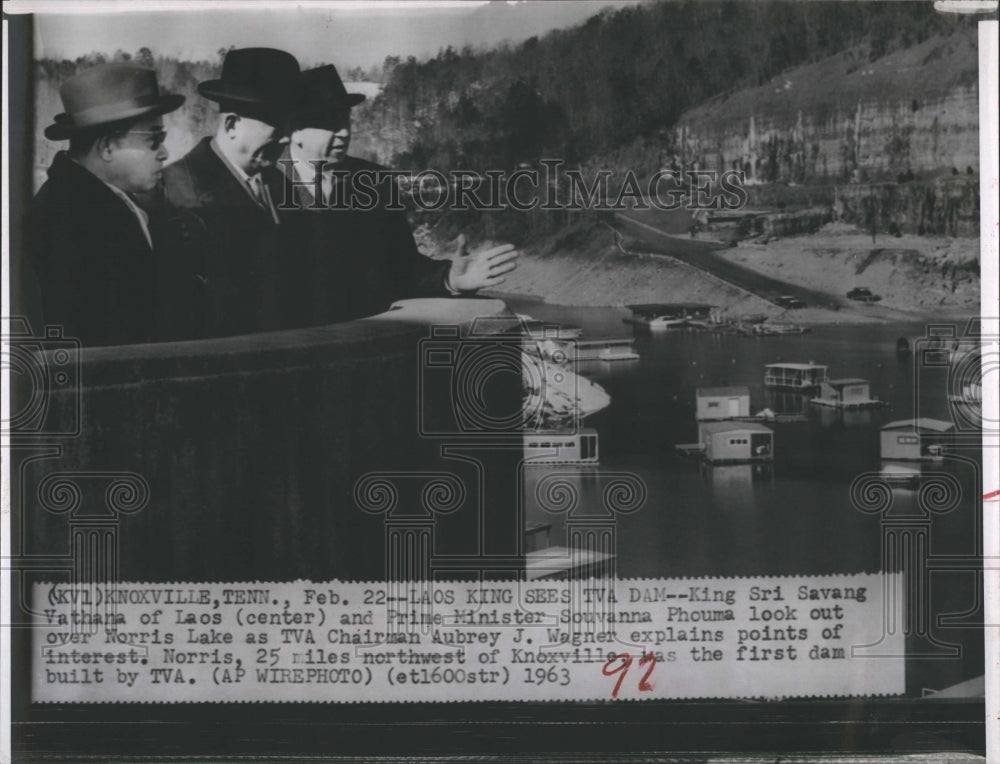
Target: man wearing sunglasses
{"points": [[90, 250]]}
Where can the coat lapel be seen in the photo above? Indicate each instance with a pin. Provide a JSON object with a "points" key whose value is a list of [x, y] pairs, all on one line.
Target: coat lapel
{"points": [[89, 191]]}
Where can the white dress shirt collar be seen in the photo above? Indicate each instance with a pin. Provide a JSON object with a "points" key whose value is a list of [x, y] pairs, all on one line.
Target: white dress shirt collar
{"points": [[140, 214]]}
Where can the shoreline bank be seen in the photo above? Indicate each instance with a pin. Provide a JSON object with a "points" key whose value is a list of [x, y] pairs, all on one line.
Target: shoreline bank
{"points": [[919, 279]]}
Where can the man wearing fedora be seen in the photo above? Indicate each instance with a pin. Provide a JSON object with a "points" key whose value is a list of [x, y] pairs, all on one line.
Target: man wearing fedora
{"points": [[344, 264], [89, 244], [222, 223]]}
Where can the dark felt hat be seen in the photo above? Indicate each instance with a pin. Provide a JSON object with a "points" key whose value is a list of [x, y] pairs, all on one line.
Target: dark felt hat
{"points": [[106, 94], [322, 99], [255, 81]]}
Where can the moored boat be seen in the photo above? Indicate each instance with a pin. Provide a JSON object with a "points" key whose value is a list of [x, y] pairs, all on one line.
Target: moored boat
{"points": [[800, 377], [663, 316]]}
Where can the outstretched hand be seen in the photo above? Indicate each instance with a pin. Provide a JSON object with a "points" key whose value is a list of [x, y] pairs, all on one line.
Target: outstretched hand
{"points": [[481, 270]]}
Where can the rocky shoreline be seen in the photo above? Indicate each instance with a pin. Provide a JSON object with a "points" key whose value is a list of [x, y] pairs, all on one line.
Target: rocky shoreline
{"points": [[917, 277]]}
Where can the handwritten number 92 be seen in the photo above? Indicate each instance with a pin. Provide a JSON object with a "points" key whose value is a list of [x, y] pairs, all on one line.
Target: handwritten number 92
{"points": [[620, 665]]}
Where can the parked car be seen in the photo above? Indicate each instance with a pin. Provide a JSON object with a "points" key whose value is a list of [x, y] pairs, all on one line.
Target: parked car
{"points": [[788, 302], [863, 294]]}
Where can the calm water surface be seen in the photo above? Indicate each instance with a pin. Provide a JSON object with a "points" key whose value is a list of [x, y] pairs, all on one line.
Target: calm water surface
{"points": [[795, 518]]}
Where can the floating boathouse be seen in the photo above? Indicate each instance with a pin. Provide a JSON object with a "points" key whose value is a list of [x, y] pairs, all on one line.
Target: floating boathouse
{"points": [[736, 442], [561, 448], [801, 377], [915, 439], [848, 393], [713, 403]]}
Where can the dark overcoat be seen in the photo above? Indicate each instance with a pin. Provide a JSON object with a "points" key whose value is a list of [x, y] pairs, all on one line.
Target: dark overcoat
{"points": [[219, 259], [92, 267], [344, 264]]}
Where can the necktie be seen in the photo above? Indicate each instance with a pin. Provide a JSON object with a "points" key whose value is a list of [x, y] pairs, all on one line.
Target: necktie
{"points": [[327, 188], [255, 189], [260, 194]]}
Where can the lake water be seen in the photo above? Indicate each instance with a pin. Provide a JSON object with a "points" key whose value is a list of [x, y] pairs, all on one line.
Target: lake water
{"points": [[797, 516]]}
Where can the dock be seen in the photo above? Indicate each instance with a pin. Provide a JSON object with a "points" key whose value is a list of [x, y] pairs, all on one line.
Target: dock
{"points": [[849, 393], [659, 316], [618, 349], [690, 449]]}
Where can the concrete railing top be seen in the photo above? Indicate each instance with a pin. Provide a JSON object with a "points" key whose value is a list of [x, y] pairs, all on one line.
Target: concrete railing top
{"points": [[398, 327]]}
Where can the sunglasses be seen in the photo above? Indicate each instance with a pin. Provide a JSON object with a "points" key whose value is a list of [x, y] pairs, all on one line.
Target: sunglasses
{"points": [[157, 137]]}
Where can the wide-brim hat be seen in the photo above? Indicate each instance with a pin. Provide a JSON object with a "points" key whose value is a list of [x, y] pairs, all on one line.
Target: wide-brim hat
{"points": [[103, 95], [255, 80], [322, 99]]}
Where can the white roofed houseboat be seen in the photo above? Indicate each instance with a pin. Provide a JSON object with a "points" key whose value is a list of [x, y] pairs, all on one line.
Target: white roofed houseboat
{"points": [[907, 444], [848, 393], [799, 377], [722, 403], [736, 442], [553, 447], [919, 439]]}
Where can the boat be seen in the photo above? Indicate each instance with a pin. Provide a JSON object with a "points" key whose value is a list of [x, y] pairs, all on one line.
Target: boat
{"points": [[532, 331], [848, 393], [662, 316], [800, 377], [776, 327], [618, 349], [539, 330], [554, 447]]}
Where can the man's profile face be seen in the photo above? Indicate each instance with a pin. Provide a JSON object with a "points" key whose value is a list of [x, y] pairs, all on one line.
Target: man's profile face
{"points": [[253, 142], [324, 143], [135, 158]]}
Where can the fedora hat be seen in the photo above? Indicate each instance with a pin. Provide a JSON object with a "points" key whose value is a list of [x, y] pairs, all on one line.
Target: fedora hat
{"points": [[254, 81], [106, 94], [322, 99]]}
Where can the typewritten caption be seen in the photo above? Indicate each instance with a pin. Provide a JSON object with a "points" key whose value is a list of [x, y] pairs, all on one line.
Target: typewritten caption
{"points": [[461, 641]]}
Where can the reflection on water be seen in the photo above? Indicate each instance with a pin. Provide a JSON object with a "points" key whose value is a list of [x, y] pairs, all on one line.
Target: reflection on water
{"points": [[732, 485], [781, 402], [815, 461], [798, 516], [852, 418]]}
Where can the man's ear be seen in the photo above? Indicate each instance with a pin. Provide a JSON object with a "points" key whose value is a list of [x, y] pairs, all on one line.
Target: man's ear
{"points": [[104, 146], [229, 121]]}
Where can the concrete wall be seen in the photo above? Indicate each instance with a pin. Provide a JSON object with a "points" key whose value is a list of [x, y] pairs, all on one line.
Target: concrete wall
{"points": [[251, 448]]}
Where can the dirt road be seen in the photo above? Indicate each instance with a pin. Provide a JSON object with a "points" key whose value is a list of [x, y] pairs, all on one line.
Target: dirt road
{"points": [[646, 233]]}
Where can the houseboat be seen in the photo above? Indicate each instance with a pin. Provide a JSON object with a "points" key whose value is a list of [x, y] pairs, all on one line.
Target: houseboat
{"points": [[848, 393], [915, 439], [715, 403], [544, 330], [736, 442], [552, 447], [773, 328], [661, 316], [800, 377], [603, 350]]}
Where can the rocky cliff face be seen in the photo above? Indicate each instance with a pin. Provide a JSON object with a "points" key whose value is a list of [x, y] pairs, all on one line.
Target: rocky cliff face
{"points": [[845, 119], [947, 206]]}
